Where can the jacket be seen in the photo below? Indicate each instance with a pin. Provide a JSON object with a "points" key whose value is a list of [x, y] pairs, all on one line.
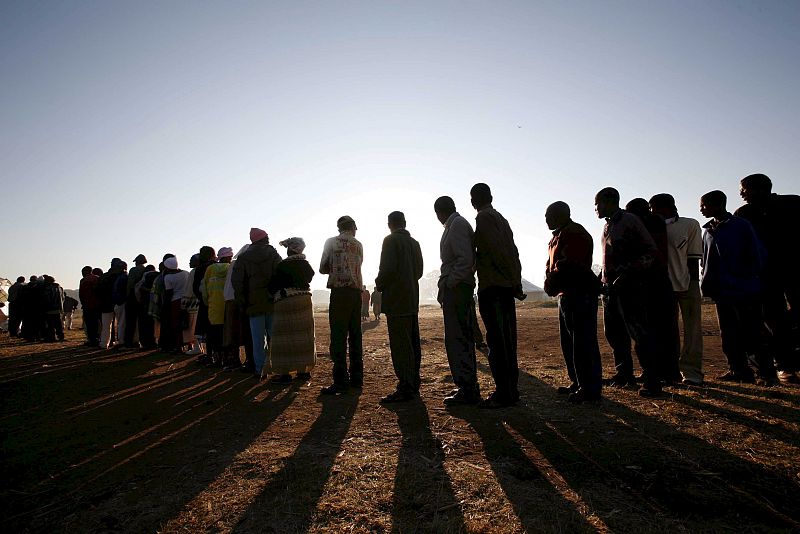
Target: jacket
{"points": [[733, 259], [252, 273], [496, 255], [399, 274], [569, 263]]}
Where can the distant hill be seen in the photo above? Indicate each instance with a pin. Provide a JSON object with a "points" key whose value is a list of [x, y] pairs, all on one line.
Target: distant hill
{"points": [[429, 288]]}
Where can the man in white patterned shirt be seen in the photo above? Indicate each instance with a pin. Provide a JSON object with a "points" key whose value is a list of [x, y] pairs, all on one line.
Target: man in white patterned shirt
{"points": [[342, 256]]}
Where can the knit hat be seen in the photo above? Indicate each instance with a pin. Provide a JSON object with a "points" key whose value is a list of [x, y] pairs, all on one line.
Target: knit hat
{"points": [[294, 244], [171, 263], [225, 252], [257, 234]]}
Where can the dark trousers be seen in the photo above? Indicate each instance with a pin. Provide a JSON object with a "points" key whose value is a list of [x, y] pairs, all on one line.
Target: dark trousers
{"points": [[779, 321], [14, 319], [131, 320], [664, 312], [344, 317], [91, 325], [214, 337], [33, 323], [147, 336], [500, 319], [53, 327], [740, 327], [406, 351], [577, 326], [626, 316], [458, 309]]}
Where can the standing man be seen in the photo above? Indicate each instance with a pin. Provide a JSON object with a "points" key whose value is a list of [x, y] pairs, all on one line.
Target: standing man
{"points": [[456, 287], [342, 256], [398, 281], [54, 309], [569, 276], [733, 263], [628, 255], [499, 282], [90, 306], [131, 334], [15, 306], [684, 252], [774, 218], [70, 305], [252, 273]]}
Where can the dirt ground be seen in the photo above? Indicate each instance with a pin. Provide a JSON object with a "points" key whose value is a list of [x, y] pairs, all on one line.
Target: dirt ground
{"points": [[131, 441]]}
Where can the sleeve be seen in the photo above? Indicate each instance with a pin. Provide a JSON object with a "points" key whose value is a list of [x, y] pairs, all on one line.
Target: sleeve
{"points": [[325, 262], [204, 287], [694, 247], [462, 243], [388, 265], [418, 263], [237, 281]]}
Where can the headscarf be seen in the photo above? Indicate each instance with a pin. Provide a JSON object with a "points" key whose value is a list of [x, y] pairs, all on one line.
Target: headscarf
{"points": [[257, 234], [171, 263], [225, 252], [294, 244]]}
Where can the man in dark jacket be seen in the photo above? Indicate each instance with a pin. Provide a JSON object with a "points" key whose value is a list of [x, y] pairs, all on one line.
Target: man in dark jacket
{"points": [[33, 309], [15, 306], [90, 306], [499, 282], [251, 275], [569, 276], [774, 218], [398, 281], [54, 308], [131, 334], [110, 296]]}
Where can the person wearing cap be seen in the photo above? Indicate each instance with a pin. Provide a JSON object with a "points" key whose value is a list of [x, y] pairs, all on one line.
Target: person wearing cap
{"points": [[342, 256], [212, 290], [499, 283], [456, 285], [398, 281], [293, 348], [108, 293], [131, 334], [251, 275]]}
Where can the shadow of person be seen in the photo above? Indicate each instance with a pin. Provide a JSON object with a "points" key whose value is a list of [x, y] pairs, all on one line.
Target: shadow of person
{"points": [[424, 499], [289, 499]]}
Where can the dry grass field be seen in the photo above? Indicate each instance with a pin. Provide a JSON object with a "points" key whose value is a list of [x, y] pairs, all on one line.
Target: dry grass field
{"points": [[132, 441]]}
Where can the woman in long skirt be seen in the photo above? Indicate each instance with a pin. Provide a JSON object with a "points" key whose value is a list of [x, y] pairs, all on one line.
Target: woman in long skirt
{"points": [[292, 349]]}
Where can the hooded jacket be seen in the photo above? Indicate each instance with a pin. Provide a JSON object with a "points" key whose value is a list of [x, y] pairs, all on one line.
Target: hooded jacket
{"points": [[251, 275]]}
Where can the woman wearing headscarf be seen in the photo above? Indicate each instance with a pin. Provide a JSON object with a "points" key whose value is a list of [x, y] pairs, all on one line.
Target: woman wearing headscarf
{"points": [[236, 331], [292, 348], [190, 306], [174, 287], [212, 289]]}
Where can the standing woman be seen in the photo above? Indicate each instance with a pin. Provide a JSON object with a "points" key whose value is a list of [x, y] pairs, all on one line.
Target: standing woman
{"points": [[293, 348], [174, 287], [212, 289], [190, 306]]}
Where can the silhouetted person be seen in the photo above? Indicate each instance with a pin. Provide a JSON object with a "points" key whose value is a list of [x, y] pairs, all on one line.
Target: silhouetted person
{"points": [[569, 277], [774, 218], [32, 309], [70, 305], [398, 281], [111, 301], [142, 292], [456, 288], [342, 256], [628, 255], [54, 308], [733, 265], [499, 282], [375, 299], [15, 307], [660, 304], [90, 306], [131, 334], [684, 252]]}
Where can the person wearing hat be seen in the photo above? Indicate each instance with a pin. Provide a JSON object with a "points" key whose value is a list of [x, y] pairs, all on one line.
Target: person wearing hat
{"points": [[212, 290], [131, 334], [398, 281], [293, 349], [342, 256], [251, 275]]}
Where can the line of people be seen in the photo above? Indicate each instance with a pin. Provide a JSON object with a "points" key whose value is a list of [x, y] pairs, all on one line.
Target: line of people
{"points": [[39, 310]]}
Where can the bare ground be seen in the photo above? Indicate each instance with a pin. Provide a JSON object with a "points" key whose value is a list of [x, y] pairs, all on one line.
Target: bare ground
{"points": [[104, 441]]}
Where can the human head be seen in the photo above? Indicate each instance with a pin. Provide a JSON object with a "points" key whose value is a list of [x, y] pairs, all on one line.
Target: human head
{"points": [[639, 207], [225, 254], [257, 234], [755, 188], [140, 259], [663, 205], [294, 245], [97, 271], [345, 223], [713, 204], [194, 261], [150, 268], [396, 220], [480, 195], [207, 254], [167, 255], [33, 278], [444, 208], [48, 279], [171, 263], [21, 279], [606, 202], [557, 215]]}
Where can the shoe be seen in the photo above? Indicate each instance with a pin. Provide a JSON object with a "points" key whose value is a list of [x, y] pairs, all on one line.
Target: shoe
{"points": [[566, 390], [333, 389], [281, 379], [767, 381], [397, 396], [303, 376], [730, 376], [493, 402], [651, 393], [461, 397], [788, 377], [580, 396], [692, 382], [618, 381]]}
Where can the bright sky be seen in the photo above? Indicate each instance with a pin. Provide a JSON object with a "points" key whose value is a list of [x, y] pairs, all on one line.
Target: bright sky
{"points": [[156, 127]]}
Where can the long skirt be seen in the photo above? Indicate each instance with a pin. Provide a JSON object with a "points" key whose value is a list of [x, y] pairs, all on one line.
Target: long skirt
{"points": [[293, 347]]}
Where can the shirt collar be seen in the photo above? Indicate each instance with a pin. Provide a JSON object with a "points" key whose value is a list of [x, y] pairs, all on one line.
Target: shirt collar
{"points": [[450, 219]]}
